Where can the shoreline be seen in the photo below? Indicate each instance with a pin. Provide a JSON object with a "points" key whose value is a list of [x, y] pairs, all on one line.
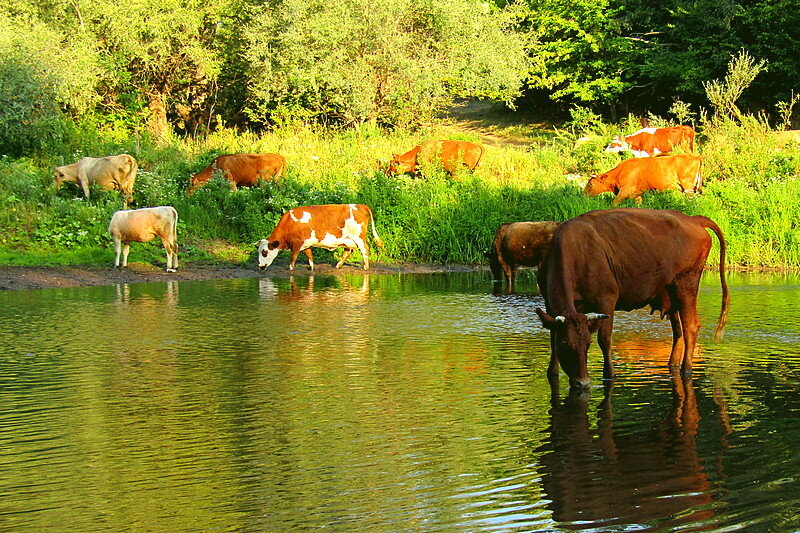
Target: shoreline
{"points": [[50, 277]]}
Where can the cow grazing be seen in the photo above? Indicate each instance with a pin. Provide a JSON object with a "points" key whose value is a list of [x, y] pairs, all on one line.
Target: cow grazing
{"points": [[654, 141], [624, 259], [111, 172], [243, 170], [518, 244], [143, 225], [788, 137], [450, 155], [632, 177], [323, 226]]}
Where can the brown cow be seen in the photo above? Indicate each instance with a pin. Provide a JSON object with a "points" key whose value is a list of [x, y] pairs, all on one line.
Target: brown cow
{"points": [[143, 225], [624, 259], [654, 141], [111, 172], [325, 226], [450, 155], [518, 244], [241, 170], [632, 177]]}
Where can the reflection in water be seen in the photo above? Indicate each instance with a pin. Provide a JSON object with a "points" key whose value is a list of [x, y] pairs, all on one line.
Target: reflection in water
{"points": [[606, 477]]}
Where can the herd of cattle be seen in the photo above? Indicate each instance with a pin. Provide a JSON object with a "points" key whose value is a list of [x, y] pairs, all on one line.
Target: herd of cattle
{"points": [[588, 267]]}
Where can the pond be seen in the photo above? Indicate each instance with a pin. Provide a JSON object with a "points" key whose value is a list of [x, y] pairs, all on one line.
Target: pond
{"points": [[387, 403]]}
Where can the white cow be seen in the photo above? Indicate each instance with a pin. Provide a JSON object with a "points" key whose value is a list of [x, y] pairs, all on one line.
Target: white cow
{"points": [[112, 172], [143, 225]]}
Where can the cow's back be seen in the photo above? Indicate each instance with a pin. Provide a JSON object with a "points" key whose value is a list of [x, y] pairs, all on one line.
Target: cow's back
{"points": [[451, 154], [524, 243], [630, 253], [248, 169]]}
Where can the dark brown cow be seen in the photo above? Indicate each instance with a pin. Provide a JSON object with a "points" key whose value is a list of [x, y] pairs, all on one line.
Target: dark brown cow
{"points": [[654, 141], [518, 244], [325, 226], [450, 155], [633, 177], [241, 169], [624, 259]]}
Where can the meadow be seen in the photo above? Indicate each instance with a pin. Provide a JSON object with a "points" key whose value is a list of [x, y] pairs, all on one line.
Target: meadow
{"points": [[751, 191]]}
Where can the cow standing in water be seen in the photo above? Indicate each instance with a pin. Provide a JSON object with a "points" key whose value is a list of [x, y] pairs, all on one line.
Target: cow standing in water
{"points": [[633, 177], [654, 141], [324, 226], [450, 155], [518, 244], [624, 259], [241, 170]]}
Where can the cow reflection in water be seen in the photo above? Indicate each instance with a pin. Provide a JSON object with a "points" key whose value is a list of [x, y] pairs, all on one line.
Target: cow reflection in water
{"points": [[605, 477]]}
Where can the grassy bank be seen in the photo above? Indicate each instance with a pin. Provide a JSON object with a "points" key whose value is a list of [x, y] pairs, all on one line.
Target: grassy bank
{"points": [[751, 192]]}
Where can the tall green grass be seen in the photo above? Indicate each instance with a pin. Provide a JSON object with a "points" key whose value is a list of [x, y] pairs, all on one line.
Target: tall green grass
{"points": [[751, 192]]}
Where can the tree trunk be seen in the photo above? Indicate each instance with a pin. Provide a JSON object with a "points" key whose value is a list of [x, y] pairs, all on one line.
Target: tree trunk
{"points": [[157, 124]]}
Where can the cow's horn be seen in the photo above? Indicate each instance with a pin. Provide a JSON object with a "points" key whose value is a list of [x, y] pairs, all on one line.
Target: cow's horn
{"points": [[560, 318], [596, 316]]}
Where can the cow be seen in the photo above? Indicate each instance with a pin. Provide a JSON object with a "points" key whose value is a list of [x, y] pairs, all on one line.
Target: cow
{"points": [[518, 244], [632, 177], [324, 226], [241, 170], [450, 155], [654, 141], [624, 259], [788, 137], [143, 225], [111, 172]]}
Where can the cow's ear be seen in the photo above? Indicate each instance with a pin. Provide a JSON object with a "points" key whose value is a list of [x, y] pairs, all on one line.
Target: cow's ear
{"points": [[547, 321], [273, 245]]}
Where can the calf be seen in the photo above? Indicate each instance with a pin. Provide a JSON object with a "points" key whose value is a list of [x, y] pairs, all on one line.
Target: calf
{"points": [[633, 177], [143, 225], [518, 244], [324, 226]]}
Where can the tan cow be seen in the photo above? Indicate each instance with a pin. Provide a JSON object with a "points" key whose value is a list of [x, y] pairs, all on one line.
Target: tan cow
{"points": [[111, 172], [518, 244], [143, 225], [654, 141], [450, 155], [325, 226], [632, 177], [243, 170]]}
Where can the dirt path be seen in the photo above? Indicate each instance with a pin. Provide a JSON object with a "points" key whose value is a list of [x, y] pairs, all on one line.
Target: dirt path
{"points": [[14, 278], [493, 123]]}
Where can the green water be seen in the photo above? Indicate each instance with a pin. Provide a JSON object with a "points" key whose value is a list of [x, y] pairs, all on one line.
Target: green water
{"points": [[386, 403]]}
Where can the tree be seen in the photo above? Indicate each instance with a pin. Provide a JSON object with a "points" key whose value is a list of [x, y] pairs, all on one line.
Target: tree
{"points": [[391, 61]]}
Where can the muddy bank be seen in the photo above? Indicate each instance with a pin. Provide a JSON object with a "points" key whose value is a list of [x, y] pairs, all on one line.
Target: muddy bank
{"points": [[45, 277]]}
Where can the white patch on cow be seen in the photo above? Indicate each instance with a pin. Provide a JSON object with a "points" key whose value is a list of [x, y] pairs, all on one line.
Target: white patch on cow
{"points": [[617, 145], [642, 153], [311, 241], [351, 229], [304, 219], [643, 130]]}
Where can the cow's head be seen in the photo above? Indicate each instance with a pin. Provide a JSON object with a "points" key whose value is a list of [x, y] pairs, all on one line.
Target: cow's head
{"points": [[572, 335], [617, 145], [399, 165], [598, 183], [494, 264], [267, 251], [60, 175]]}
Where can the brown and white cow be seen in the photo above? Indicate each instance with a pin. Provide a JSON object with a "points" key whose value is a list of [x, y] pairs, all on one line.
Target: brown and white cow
{"points": [[450, 155], [324, 226], [243, 170], [518, 244], [654, 141], [143, 225], [111, 172], [624, 259], [633, 177]]}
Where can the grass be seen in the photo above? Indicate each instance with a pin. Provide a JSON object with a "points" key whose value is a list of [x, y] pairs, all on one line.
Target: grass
{"points": [[751, 192]]}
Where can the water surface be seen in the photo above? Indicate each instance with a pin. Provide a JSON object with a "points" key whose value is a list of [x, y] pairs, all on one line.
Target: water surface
{"points": [[386, 403]]}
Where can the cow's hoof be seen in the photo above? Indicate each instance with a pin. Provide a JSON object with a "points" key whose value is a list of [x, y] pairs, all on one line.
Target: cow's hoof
{"points": [[171, 270]]}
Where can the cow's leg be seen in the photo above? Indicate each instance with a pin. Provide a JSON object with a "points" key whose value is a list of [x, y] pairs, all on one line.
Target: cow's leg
{"points": [[604, 341], [552, 369], [117, 251], [362, 247], [624, 194], [510, 276], [84, 181], [175, 255], [126, 247], [691, 325], [293, 260], [310, 257], [345, 255], [676, 355], [169, 247]]}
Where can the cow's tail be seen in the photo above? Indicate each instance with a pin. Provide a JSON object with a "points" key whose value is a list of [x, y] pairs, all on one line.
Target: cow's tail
{"points": [[480, 157], [378, 240], [726, 299]]}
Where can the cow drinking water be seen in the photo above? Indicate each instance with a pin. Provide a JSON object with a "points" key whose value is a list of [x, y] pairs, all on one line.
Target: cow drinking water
{"points": [[624, 259], [324, 226]]}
